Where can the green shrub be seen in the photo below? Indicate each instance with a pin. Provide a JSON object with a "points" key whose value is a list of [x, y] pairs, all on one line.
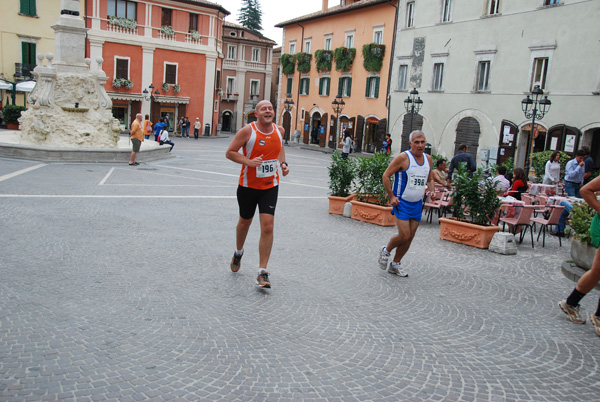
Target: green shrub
{"points": [[12, 113], [369, 183], [373, 54], [323, 60], [539, 159], [288, 66], [474, 195], [580, 220], [344, 57], [303, 62], [341, 175]]}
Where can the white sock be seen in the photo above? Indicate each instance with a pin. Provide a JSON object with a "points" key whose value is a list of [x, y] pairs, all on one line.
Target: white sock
{"points": [[261, 270], [395, 264], [239, 252], [385, 251]]}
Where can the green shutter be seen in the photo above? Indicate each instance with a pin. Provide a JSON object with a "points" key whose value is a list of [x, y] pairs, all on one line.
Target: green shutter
{"points": [[377, 87], [368, 87], [307, 83], [321, 86], [32, 9], [28, 7], [340, 86], [349, 86], [328, 85], [289, 86]]}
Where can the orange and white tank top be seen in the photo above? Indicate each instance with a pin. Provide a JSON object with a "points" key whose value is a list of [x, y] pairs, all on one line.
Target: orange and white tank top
{"points": [[267, 146]]}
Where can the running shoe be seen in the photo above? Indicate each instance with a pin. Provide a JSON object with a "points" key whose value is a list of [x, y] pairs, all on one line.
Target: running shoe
{"points": [[263, 280], [572, 312], [396, 270], [594, 319], [383, 258], [236, 262]]}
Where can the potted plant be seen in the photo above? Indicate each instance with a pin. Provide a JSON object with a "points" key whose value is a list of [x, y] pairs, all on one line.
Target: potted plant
{"points": [[195, 35], [373, 54], [303, 62], [288, 67], [344, 57], [11, 116], [127, 23], [372, 204], [176, 88], [165, 86], [167, 31], [323, 60], [341, 175], [580, 220], [478, 197]]}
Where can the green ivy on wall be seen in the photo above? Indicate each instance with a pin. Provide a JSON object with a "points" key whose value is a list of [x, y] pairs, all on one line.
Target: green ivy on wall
{"points": [[288, 67], [343, 58], [323, 60], [303, 62], [373, 54]]}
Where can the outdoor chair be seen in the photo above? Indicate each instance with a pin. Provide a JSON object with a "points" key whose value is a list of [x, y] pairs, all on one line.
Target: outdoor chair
{"points": [[435, 205], [552, 220], [523, 221]]}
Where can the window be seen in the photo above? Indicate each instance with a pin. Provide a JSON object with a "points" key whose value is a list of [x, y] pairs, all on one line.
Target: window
{"points": [[378, 36], [494, 7], [166, 17], [403, 77], [307, 46], [550, 2], [349, 43], [327, 44], [372, 90], [324, 85], [218, 80], [27, 58], [292, 47], [256, 55], [540, 69], [290, 84], [410, 14], [170, 73], [304, 83], [122, 68], [28, 7], [231, 50], [302, 114], [193, 23], [438, 77], [122, 8], [254, 88], [230, 86], [483, 76], [345, 86], [446, 10]]}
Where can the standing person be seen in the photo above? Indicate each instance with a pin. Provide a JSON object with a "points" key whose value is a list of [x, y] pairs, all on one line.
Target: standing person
{"points": [[589, 166], [386, 146], [262, 154], [519, 185], [412, 173], [574, 172], [164, 139], [461, 157], [147, 127], [590, 279], [197, 127], [158, 127], [137, 136], [180, 127], [552, 170], [347, 144], [440, 174], [186, 127]]}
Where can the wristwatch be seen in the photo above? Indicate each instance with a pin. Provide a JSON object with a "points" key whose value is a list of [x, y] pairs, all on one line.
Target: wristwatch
{"points": [[284, 163]]}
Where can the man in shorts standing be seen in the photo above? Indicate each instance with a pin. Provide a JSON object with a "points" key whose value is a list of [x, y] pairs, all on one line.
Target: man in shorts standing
{"points": [[412, 174], [262, 154], [137, 136]]}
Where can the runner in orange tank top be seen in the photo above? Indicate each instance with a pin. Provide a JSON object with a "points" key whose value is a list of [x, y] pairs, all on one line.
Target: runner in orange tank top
{"points": [[261, 158]]}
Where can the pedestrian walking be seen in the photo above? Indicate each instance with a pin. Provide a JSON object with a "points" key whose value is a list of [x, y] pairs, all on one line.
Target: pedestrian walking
{"points": [[412, 175], [147, 127], [197, 127], [590, 279], [347, 144], [186, 127], [262, 155], [137, 136]]}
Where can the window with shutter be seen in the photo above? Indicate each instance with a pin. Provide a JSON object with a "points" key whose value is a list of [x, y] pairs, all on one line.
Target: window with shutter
{"points": [[28, 7], [122, 69], [171, 73]]}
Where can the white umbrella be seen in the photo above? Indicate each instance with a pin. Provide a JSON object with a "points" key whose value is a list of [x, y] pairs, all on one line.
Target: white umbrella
{"points": [[25, 86], [5, 85]]}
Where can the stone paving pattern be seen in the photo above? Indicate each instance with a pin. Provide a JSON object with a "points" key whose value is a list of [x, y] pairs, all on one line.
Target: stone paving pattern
{"points": [[118, 288]]}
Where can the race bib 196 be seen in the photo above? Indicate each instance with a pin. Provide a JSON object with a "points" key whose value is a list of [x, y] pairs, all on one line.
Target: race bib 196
{"points": [[267, 168]]}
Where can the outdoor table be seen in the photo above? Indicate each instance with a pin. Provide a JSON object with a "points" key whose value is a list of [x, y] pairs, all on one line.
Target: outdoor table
{"points": [[545, 189]]}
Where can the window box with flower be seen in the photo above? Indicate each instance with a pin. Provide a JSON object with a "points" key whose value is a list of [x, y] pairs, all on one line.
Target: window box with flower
{"points": [[344, 57], [165, 86], [288, 66], [167, 31], [373, 54], [303, 62], [122, 82], [176, 88], [127, 23], [195, 35], [323, 60]]}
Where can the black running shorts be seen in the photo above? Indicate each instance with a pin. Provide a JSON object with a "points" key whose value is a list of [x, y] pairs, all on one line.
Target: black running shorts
{"points": [[249, 198]]}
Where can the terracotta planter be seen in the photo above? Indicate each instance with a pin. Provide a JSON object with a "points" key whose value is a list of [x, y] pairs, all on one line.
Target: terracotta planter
{"points": [[12, 126], [582, 254], [336, 204], [467, 233], [371, 213]]}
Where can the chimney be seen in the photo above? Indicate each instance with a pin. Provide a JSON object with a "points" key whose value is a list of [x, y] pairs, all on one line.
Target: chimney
{"points": [[325, 5]]}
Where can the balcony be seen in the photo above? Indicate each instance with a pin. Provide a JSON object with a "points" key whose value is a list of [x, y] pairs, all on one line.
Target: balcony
{"points": [[111, 27], [24, 71], [230, 97]]}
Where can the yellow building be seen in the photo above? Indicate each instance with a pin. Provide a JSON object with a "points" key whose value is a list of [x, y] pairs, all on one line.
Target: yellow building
{"points": [[25, 30]]}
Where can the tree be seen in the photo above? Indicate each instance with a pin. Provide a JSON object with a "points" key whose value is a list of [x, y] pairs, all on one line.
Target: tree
{"points": [[251, 15]]}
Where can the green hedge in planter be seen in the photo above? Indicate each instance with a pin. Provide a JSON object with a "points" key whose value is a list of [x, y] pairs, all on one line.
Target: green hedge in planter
{"points": [[580, 221], [474, 195], [12, 113], [368, 182], [341, 175]]}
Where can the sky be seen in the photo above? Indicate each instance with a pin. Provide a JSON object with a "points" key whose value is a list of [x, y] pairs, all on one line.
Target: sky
{"points": [[274, 12]]}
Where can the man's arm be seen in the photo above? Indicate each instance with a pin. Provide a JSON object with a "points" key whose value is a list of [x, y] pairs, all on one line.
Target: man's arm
{"points": [[588, 192], [284, 168], [233, 151], [431, 179], [400, 162], [436, 177]]}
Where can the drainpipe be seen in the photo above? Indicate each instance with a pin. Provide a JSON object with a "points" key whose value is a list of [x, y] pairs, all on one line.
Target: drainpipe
{"points": [[299, 78], [214, 128], [388, 99]]}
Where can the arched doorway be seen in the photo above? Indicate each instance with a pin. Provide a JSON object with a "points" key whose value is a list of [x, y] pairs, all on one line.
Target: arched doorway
{"points": [[417, 124], [226, 119], [315, 126], [561, 138], [287, 124], [370, 137], [468, 132]]}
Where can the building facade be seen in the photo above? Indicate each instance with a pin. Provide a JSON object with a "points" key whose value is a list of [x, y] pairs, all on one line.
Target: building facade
{"points": [[247, 75], [163, 57], [338, 54], [474, 61]]}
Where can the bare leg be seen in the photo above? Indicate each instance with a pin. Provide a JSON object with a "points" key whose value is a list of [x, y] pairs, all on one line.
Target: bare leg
{"points": [[241, 231], [590, 278], [132, 158], [266, 239], [401, 242]]}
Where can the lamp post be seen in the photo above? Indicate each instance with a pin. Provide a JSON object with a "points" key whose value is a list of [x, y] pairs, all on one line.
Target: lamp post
{"points": [[413, 105], [148, 95], [337, 105], [289, 103], [534, 108]]}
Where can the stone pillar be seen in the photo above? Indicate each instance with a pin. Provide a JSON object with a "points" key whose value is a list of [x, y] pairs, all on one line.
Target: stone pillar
{"points": [[147, 73]]}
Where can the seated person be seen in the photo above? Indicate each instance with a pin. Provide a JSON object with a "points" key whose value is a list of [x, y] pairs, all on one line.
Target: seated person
{"points": [[519, 184], [562, 221], [440, 173], [501, 182], [164, 139]]}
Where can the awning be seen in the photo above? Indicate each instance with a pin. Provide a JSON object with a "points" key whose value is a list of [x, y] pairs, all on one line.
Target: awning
{"points": [[5, 85], [172, 99], [125, 96], [25, 86]]}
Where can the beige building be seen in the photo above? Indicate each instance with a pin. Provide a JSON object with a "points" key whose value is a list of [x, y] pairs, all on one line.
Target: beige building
{"points": [[474, 61], [246, 75], [25, 31]]}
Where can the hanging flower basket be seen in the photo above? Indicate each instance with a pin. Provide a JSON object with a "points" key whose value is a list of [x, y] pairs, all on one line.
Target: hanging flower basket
{"points": [[287, 64], [373, 54], [195, 35], [323, 60], [303, 62], [344, 57], [167, 30], [122, 82], [123, 22], [176, 88], [165, 86]]}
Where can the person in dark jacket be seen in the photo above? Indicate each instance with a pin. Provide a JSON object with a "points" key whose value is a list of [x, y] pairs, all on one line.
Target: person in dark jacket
{"points": [[461, 157]]}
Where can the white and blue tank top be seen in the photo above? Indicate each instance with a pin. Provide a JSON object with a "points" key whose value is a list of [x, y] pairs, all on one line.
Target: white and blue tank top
{"points": [[410, 184]]}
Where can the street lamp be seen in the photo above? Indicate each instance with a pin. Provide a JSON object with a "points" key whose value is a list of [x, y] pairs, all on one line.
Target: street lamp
{"points": [[289, 103], [413, 105], [338, 105], [148, 95], [534, 108]]}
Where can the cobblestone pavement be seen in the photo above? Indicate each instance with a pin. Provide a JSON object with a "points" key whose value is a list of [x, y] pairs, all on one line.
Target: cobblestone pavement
{"points": [[115, 285]]}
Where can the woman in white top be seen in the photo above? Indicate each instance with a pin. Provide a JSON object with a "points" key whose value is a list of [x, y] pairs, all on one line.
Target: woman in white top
{"points": [[347, 144], [552, 172]]}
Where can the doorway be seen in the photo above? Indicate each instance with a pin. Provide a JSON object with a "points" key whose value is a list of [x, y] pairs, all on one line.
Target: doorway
{"points": [[315, 128], [370, 142], [226, 121]]}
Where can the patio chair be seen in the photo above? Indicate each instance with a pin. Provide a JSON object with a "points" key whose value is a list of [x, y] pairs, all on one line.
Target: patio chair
{"points": [[435, 205], [552, 220], [523, 221]]}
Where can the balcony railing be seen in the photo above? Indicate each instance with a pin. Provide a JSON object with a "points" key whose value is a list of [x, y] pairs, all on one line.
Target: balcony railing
{"points": [[120, 29], [24, 71], [230, 97]]}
